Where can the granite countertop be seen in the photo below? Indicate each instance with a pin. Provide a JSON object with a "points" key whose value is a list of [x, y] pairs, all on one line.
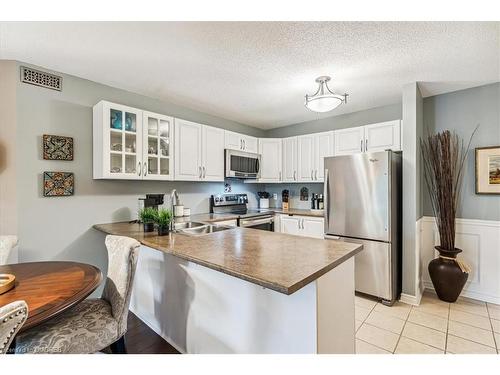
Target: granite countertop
{"points": [[281, 262]]}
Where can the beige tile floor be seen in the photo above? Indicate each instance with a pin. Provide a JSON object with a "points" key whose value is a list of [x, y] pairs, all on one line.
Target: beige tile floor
{"points": [[464, 327]]}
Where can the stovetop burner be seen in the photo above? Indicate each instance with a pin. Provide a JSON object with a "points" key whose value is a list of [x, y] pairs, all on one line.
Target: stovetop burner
{"points": [[234, 204]]}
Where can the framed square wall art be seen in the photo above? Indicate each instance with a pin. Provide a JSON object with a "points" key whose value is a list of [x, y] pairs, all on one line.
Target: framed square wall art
{"points": [[58, 184], [488, 170], [57, 147]]}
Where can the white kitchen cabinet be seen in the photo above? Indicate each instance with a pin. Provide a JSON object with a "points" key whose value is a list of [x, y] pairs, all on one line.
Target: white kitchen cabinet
{"points": [[270, 150], [313, 227], [383, 136], [158, 161], [307, 226], [349, 141], [240, 142], [311, 150], [199, 152], [131, 144], [188, 150], [289, 224], [323, 147], [305, 158], [290, 159], [369, 138], [212, 154]]}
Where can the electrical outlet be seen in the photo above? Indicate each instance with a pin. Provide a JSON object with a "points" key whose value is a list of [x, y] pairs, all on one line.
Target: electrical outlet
{"points": [[275, 196]]}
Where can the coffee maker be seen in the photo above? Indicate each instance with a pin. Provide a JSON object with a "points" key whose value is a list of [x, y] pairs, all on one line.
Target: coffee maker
{"points": [[153, 200]]}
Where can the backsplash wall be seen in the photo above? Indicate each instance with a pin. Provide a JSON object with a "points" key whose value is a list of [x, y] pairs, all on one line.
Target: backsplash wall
{"points": [[294, 194]]}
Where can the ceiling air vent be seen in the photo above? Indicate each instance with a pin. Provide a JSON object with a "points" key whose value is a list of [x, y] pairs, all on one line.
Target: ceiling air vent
{"points": [[38, 78]]}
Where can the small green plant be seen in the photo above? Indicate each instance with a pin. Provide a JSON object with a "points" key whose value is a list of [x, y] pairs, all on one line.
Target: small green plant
{"points": [[148, 215], [163, 217]]}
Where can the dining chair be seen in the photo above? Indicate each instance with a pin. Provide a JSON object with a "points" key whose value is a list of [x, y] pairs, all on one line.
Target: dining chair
{"points": [[93, 324], [6, 245], [12, 318]]}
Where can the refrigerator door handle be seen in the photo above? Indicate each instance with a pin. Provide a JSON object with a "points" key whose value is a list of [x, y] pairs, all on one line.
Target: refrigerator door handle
{"points": [[361, 148], [325, 201]]}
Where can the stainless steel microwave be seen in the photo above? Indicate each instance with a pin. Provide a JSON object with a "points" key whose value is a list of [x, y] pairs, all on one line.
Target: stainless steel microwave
{"points": [[242, 164]]}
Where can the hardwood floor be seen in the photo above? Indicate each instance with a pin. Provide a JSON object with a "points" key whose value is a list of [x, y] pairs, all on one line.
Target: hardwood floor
{"points": [[140, 339]]}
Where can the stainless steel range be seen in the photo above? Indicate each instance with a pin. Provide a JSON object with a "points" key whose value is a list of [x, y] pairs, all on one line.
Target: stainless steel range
{"points": [[237, 204]]}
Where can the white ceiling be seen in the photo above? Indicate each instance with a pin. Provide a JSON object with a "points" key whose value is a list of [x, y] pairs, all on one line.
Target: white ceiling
{"points": [[257, 73]]}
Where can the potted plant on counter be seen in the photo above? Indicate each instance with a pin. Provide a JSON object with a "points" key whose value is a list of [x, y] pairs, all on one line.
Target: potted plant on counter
{"points": [[163, 219], [444, 156], [147, 216]]}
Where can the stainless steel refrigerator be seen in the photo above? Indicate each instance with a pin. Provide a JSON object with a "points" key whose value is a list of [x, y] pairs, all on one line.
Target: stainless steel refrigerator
{"points": [[363, 205]]}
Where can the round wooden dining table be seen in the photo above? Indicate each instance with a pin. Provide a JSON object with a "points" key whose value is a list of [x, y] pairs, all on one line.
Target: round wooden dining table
{"points": [[49, 288]]}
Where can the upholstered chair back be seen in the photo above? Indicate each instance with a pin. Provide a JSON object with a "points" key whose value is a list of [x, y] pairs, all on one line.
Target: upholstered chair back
{"points": [[12, 318], [122, 261], [6, 245]]}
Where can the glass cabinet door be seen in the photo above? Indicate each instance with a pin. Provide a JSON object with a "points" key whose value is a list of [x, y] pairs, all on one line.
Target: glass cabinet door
{"points": [[124, 142], [157, 146]]}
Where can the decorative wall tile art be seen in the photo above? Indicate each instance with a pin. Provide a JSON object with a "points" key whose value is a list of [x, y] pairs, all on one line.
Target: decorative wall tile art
{"points": [[56, 147], [58, 184]]}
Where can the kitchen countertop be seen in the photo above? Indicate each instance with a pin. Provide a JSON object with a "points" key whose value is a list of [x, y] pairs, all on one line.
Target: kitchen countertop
{"points": [[281, 262]]}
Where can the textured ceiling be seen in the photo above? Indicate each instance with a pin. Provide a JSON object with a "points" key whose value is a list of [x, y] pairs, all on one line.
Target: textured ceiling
{"points": [[258, 72]]}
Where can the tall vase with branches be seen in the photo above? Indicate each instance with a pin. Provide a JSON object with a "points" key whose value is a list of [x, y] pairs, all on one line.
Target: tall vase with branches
{"points": [[444, 155]]}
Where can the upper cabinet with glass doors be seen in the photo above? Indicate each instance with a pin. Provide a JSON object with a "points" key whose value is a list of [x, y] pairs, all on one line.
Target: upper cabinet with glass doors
{"points": [[157, 147], [131, 144]]}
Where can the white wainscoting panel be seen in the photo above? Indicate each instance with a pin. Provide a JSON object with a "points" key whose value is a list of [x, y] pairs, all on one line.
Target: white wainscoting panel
{"points": [[480, 243]]}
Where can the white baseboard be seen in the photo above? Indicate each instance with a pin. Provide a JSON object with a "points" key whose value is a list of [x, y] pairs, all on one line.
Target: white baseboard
{"points": [[411, 300]]}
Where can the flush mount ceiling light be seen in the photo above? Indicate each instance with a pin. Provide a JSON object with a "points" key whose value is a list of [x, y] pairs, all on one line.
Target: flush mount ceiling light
{"points": [[324, 99]]}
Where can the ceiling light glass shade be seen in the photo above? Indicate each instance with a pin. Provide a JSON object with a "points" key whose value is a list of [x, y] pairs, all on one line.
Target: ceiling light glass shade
{"points": [[324, 99]]}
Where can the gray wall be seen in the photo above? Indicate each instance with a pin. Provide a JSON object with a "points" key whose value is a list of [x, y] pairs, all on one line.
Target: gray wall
{"points": [[369, 116], [462, 111], [8, 211], [61, 228]]}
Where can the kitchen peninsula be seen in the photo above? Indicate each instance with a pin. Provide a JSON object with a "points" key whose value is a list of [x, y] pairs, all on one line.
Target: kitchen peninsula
{"points": [[244, 290]]}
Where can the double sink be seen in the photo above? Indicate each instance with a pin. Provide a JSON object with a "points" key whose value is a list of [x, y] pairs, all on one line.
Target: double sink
{"points": [[193, 228]]}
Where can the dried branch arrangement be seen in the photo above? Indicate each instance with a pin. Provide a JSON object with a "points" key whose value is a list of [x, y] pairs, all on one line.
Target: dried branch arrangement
{"points": [[444, 156]]}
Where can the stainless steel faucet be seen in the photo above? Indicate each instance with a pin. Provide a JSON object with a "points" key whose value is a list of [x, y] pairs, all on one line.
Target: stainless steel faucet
{"points": [[173, 195]]}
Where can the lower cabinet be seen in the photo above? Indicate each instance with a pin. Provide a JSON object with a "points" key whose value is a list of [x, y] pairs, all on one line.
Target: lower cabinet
{"points": [[307, 226]]}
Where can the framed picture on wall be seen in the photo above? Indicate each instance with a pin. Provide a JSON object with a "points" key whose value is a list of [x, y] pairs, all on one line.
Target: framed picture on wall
{"points": [[488, 170]]}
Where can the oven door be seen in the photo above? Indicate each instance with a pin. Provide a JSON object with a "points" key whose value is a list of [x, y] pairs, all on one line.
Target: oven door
{"points": [[242, 164], [262, 223]]}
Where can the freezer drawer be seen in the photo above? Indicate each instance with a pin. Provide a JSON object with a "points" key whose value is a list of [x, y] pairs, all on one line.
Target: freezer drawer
{"points": [[372, 268]]}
